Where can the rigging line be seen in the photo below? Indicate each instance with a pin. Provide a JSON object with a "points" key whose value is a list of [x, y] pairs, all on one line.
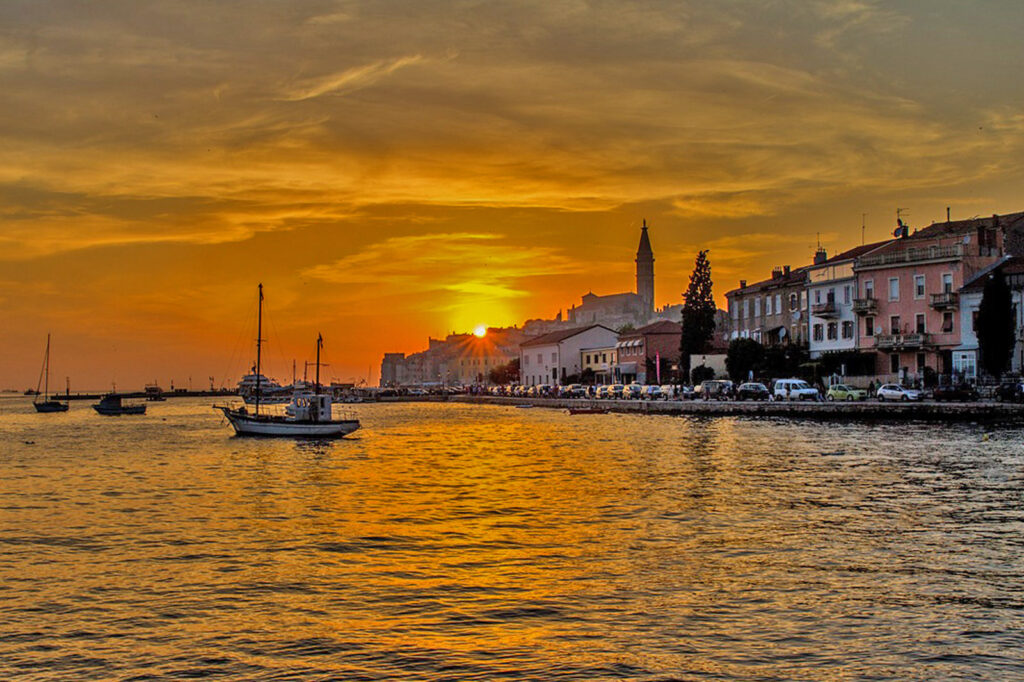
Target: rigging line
{"points": [[244, 332], [274, 337]]}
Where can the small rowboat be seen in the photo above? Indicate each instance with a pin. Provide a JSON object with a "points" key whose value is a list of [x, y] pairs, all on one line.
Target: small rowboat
{"points": [[588, 410]]}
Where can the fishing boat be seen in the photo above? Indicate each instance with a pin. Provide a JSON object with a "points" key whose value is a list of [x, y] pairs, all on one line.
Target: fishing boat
{"points": [[112, 405], [308, 415], [47, 405]]}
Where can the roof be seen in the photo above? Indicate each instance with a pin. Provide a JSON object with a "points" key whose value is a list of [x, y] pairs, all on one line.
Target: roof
{"points": [[645, 243], [1010, 265], [798, 276], [955, 227], [561, 335], [589, 297], [659, 327], [850, 254]]}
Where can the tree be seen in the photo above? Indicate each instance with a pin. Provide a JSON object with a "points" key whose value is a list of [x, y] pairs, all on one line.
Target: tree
{"points": [[996, 325], [744, 356], [505, 374], [625, 329], [698, 313], [701, 373]]}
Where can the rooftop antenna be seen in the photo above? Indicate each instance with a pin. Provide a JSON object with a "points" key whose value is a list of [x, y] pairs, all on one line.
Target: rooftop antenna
{"points": [[947, 214], [863, 226]]}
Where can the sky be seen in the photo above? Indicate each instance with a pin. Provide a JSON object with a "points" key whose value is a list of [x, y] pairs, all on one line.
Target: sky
{"points": [[394, 170]]}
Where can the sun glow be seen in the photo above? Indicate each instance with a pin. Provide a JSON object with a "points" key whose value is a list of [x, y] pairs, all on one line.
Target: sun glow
{"points": [[480, 331]]}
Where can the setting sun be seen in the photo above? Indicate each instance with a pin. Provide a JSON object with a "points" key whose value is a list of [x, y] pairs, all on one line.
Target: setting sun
{"points": [[480, 331]]}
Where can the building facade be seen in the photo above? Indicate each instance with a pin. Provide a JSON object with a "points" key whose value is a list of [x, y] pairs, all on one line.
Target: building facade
{"points": [[553, 358], [640, 351], [966, 356], [908, 300], [601, 361], [772, 312]]}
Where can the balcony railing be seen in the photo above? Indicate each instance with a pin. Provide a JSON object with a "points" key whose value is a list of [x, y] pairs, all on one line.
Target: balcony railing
{"points": [[948, 299], [865, 306], [912, 255], [826, 310], [916, 340]]}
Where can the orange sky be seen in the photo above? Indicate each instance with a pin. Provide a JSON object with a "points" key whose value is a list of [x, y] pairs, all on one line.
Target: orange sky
{"points": [[393, 170]]}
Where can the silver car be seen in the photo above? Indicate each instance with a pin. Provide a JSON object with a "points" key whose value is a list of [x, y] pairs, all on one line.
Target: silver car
{"points": [[890, 392]]}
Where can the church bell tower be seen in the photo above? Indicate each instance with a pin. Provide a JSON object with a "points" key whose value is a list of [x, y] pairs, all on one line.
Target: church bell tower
{"points": [[645, 271]]}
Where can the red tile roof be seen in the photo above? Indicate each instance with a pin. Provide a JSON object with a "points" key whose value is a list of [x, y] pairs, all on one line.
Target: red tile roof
{"points": [[559, 336]]}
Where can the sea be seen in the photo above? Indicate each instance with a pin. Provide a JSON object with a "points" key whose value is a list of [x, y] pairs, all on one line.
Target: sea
{"points": [[448, 541]]}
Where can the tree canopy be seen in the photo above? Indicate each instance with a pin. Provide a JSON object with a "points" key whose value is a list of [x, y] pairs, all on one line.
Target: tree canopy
{"points": [[698, 313], [996, 325]]}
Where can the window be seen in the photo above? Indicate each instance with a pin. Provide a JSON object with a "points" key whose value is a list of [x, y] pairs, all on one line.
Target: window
{"points": [[974, 320], [554, 357], [920, 323], [587, 360], [734, 309], [818, 333], [831, 296], [869, 326], [604, 357], [894, 324], [832, 329], [918, 286], [846, 295], [894, 288], [757, 307], [526, 360], [894, 363], [947, 283], [540, 359], [746, 307], [847, 329], [817, 296], [778, 303], [794, 300], [947, 323], [803, 300], [767, 305], [920, 362]]}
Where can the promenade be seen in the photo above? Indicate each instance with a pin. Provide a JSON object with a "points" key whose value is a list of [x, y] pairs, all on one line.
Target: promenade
{"points": [[989, 412]]}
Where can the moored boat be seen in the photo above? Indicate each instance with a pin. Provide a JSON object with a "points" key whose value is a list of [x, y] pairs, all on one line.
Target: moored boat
{"points": [[308, 415], [112, 405], [47, 405]]}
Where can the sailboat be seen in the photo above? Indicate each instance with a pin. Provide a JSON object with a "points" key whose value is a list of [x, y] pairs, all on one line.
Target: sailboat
{"points": [[47, 405], [308, 415]]}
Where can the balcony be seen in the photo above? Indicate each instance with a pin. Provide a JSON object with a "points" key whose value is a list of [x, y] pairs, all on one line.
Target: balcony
{"points": [[901, 341], [912, 255], [826, 310], [946, 301], [865, 306]]}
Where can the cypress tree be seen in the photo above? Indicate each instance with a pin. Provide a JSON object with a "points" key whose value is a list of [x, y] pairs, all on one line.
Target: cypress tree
{"points": [[698, 313], [996, 325]]}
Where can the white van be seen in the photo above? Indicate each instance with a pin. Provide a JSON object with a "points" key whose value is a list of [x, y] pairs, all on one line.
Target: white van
{"points": [[794, 389]]}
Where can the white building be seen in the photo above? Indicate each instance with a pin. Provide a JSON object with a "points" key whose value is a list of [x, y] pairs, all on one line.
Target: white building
{"points": [[966, 360], [831, 288], [550, 358]]}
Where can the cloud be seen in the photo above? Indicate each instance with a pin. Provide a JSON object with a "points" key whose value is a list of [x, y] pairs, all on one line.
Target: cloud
{"points": [[350, 79]]}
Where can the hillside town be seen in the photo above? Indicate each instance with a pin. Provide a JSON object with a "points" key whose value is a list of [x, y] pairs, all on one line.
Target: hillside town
{"points": [[900, 311]]}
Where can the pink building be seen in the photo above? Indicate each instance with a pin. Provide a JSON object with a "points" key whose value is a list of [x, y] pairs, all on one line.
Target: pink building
{"points": [[907, 294]]}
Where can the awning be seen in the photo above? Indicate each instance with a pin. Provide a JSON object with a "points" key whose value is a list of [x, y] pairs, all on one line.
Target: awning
{"points": [[626, 368]]}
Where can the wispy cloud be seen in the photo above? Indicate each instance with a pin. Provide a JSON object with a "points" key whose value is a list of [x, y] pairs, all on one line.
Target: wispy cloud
{"points": [[350, 79]]}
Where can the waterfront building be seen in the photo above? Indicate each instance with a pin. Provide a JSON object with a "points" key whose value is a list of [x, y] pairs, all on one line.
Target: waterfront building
{"points": [[552, 358], [831, 289], [966, 359], [908, 300], [456, 360], [772, 312], [601, 361], [640, 351]]}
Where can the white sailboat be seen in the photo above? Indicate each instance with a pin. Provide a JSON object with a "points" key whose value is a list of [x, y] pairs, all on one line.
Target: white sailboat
{"points": [[308, 415]]}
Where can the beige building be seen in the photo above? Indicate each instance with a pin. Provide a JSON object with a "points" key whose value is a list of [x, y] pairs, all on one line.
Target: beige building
{"points": [[601, 361]]}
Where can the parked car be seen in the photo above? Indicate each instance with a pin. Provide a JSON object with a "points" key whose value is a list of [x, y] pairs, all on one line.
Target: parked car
{"points": [[951, 392], [752, 390], [686, 393], [651, 393], [716, 389], [889, 392], [845, 393], [615, 391], [794, 389], [633, 392], [574, 391], [668, 392], [1011, 392]]}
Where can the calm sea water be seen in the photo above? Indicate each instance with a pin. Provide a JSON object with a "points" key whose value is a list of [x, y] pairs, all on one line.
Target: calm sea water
{"points": [[457, 542]]}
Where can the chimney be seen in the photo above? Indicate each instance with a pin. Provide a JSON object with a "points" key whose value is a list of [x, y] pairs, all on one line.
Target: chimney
{"points": [[776, 272], [743, 284], [947, 214], [820, 256], [785, 270]]}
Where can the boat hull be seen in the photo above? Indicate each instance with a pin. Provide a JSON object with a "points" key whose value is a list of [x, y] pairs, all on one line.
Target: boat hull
{"points": [[118, 411], [249, 425], [51, 406]]}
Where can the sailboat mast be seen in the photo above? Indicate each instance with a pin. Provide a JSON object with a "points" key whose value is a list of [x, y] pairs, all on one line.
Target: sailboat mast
{"points": [[259, 339], [319, 345], [46, 363]]}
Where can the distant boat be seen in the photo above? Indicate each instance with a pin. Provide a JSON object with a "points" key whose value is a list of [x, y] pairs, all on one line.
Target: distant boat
{"points": [[112, 405], [47, 405], [308, 415]]}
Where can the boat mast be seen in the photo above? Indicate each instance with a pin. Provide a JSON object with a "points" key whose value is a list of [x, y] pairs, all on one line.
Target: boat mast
{"points": [[259, 338], [319, 345], [46, 372]]}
